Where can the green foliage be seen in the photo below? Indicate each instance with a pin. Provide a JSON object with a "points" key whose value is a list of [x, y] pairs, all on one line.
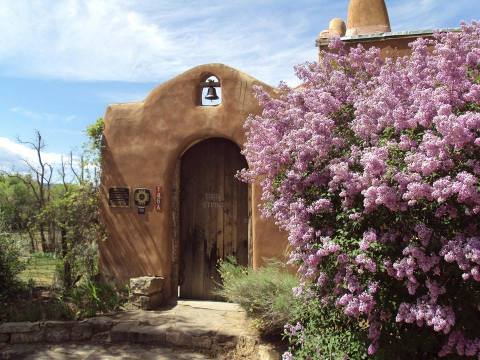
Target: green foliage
{"points": [[325, 334], [36, 310], [10, 265], [92, 298], [76, 214], [17, 204], [90, 159], [266, 293], [66, 220], [94, 132], [40, 269]]}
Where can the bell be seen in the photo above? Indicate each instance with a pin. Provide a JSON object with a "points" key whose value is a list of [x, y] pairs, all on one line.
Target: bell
{"points": [[211, 94]]}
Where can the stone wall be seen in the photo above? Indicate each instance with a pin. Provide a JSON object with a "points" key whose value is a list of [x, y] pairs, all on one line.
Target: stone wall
{"points": [[96, 329], [108, 330]]}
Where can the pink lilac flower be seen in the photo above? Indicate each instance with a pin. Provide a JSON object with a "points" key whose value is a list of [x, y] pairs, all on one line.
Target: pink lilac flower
{"points": [[371, 167]]}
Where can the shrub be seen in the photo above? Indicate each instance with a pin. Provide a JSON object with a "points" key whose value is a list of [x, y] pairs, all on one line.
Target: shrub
{"points": [[26, 308], [76, 214], [373, 168], [91, 298], [316, 332], [10, 265], [265, 294]]}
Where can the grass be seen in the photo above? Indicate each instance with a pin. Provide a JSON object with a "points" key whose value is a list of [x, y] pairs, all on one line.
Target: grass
{"points": [[40, 269]]}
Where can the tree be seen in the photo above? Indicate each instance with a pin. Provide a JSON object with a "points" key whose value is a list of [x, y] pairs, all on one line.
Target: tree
{"points": [[76, 212], [39, 181], [373, 169], [10, 265], [18, 207], [94, 148], [76, 215], [30, 201], [95, 134]]}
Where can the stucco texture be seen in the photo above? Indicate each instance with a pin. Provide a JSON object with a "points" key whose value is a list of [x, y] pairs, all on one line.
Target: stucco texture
{"points": [[143, 144], [367, 17], [391, 46]]}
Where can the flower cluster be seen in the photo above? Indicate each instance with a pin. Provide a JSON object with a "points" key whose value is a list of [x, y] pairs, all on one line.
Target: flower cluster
{"points": [[372, 168], [466, 253]]}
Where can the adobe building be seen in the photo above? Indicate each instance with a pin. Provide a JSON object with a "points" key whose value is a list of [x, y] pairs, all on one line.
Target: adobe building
{"points": [[170, 202], [183, 152], [368, 24]]}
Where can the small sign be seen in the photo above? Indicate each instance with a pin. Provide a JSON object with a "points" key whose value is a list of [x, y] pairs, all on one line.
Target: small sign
{"points": [[158, 198], [213, 200], [141, 197], [119, 197]]}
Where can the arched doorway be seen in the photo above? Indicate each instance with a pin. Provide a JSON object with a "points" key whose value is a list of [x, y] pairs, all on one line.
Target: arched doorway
{"points": [[213, 214]]}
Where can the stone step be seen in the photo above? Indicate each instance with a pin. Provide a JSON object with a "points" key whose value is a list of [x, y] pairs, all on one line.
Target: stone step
{"points": [[219, 330], [173, 335]]}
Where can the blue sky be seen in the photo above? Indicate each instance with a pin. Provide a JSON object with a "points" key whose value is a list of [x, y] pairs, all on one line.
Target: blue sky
{"points": [[62, 62]]}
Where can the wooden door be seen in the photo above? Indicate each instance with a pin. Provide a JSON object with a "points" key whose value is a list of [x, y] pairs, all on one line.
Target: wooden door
{"points": [[213, 215]]}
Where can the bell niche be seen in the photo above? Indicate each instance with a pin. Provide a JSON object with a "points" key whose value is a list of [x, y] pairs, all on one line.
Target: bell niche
{"points": [[211, 91]]}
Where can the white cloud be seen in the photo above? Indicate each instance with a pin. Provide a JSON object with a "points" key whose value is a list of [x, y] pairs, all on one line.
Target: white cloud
{"points": [[122, 96], [13, 156], [152, 41], [42, 116], [428, 14], [118, 40]]}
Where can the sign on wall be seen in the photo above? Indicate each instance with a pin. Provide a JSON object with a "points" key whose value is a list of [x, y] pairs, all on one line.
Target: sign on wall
{"points": [[158, 198], [119, 197], [141, 197]]}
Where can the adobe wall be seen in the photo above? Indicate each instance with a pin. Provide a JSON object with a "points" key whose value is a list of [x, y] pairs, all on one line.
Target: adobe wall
{"points": [[390, 46], [143, 143]]}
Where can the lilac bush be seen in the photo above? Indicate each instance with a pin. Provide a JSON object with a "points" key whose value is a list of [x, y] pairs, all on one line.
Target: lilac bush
{"points": [[372, 167]]}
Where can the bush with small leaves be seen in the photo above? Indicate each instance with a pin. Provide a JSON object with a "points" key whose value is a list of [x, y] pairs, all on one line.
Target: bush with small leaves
{"points": [[10, 265], [372, 167], [265, 294]]}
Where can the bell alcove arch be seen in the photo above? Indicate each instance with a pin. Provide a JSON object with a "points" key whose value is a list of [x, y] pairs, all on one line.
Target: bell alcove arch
{"points": [[210, 91]]}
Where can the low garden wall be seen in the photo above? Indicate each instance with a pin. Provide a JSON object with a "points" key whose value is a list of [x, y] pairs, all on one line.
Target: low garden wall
{"points": [[107, 330], [55, 331]]}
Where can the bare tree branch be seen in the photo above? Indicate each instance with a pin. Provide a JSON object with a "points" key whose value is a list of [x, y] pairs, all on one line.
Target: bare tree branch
{"points": [[43, 175], [72, 169], [63, 174], [49, 180]]}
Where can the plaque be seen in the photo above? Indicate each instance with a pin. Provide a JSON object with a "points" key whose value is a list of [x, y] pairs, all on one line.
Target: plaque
{"points": [[119, 197], [141, 197]]}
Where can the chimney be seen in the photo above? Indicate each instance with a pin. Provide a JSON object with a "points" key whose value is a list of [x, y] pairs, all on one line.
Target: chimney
{"points": [[366, 17]]}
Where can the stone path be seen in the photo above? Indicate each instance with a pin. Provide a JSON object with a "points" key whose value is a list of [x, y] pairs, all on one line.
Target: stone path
{"points": [[95, 352], [215, 329], [212, 327], [193, 317]]}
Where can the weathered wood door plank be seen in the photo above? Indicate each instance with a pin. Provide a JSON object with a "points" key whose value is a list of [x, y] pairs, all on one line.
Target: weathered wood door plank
{"points": [[213, 215]]}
